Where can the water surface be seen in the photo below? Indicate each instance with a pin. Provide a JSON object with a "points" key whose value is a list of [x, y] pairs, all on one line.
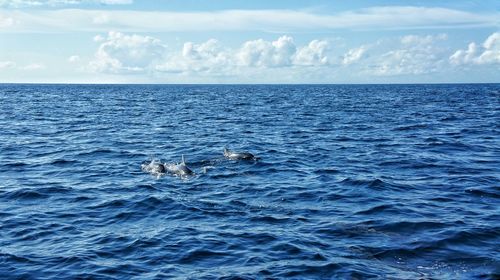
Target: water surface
{"points": [[354, 182]]}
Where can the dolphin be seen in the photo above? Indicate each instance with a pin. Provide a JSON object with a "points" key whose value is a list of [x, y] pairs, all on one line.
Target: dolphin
{"points": [[179, 169], [154, 168], [238, 155]]}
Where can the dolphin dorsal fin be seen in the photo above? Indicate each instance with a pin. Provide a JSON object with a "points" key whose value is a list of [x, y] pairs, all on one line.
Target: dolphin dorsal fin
{"points": [[183, 161]]}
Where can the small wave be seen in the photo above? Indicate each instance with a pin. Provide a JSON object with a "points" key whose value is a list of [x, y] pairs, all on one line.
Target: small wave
{"points": [[81, 198], [115, 203], [270, 219], [344, 139], [449, 146], [63, 162], [16, 164], [147, 187], [287, 248], [55, 190], [125, 216], [252, 237], [7, 258], [483, 193], [433, 139], [450, 118], [411, 127], [197, 256], [373, 184], [380, 209], [97, 152], [239, 203], [152, 204], [327, 270], [25, 194], [327, 171], [409, 227]]}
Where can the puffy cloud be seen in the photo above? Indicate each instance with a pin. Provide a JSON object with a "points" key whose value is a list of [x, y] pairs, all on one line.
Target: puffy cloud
{"points": [[487, 53], [353, 55], [208, 57], [121, 53], [282, 53], [207, 50], [416, 55], [262, 53], [465, 56], [7, 64], [313, 54]]}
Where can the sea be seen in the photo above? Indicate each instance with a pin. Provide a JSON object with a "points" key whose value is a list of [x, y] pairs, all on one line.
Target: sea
{"points": [[352, 182]]}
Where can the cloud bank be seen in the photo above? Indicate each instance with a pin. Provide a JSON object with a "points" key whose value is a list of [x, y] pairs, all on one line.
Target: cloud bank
{"points": [[486, 53], [407, 17], [120, 53]]}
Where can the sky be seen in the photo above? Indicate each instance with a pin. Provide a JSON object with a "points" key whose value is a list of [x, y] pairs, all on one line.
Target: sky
{"points": [[258, 41]]}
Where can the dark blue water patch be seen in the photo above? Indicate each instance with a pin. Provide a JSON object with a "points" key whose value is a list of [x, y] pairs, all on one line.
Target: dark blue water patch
{"points": [[24, 194], [354, 182]]}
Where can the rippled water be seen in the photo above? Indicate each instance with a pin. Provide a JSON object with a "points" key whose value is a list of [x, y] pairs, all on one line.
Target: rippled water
{"points": [[354, 182]]}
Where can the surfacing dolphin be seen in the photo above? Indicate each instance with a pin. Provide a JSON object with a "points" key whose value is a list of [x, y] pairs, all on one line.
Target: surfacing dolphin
{"points": [[153, 167], [179, 169], [232, 155]]}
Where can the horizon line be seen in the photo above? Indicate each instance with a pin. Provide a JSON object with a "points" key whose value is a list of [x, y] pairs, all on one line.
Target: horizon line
{"points": [[248, 84]]}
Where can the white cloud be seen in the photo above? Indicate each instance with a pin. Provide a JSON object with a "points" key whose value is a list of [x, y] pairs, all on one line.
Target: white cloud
{"points": [[33, 67], [465, 56], [7, 64], [211, 58], [416, 55], [261, 53], [74, 59], [259, 20], [313, 54], [354, 55], [208, 57], [487, 53], [121, 53]]}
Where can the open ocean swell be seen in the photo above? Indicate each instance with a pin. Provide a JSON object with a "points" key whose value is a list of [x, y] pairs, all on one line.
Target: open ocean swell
{"points": [[354, 182]]}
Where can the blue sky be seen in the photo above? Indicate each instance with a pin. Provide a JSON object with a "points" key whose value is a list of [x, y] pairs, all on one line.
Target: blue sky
{"points": [[195, 41]]}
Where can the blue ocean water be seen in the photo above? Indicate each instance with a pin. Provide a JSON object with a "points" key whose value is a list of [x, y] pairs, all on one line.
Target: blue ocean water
{"points": [[354, 182]]}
